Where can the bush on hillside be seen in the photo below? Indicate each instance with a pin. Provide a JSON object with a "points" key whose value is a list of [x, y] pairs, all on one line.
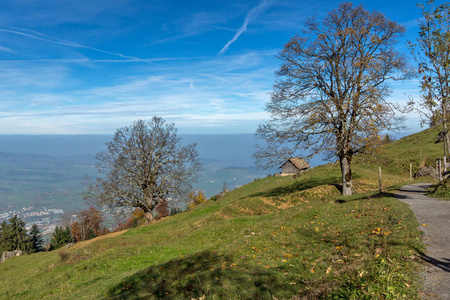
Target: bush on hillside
{"points": [[427, 172], [162, 210], [441, 190], [195, 198]]}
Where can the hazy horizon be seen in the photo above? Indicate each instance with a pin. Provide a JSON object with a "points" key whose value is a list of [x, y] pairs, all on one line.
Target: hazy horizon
{"points": [[209, 146]]}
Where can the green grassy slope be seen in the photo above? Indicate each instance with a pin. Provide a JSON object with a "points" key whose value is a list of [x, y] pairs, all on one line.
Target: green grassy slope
{"points": [[419, 149], [272, 238]]}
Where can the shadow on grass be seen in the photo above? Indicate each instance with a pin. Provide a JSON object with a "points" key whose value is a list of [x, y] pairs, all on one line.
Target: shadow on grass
{"points": [[365, 196], [202, 274], [300, 185], [407, 194]]}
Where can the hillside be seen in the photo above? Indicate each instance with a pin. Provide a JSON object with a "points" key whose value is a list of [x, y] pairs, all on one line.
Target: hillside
{"points": [[274, 238]]}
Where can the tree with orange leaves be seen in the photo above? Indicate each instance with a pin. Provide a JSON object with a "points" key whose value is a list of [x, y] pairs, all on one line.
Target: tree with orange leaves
{"points": [[195, 198], [331, 91], [88, 224]]}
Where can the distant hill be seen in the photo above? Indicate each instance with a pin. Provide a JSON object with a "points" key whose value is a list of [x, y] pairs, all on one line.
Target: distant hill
{"points": [[47, 171], [273, 238]]}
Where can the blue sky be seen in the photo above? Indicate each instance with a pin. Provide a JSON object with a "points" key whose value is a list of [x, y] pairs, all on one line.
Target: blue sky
{"points": [[92, 66]]}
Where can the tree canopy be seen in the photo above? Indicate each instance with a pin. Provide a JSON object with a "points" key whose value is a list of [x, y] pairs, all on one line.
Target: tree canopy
{"points": [[145, 165], [331, 89], [432, 54]]}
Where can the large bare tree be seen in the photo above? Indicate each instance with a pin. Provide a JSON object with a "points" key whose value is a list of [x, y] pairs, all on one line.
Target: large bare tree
{"points": [[432, 53], [331, 90], [144, 165]]}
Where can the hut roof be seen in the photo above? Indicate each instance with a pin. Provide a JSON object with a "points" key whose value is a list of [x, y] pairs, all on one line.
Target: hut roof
{"points": [[300, 163]]}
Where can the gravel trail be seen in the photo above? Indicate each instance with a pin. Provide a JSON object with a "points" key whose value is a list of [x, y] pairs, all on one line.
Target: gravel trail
{"points": [[433, 216]]}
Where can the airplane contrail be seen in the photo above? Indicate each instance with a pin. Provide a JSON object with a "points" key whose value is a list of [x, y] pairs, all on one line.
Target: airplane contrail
{"points": [[252, 14], [49, 39]]}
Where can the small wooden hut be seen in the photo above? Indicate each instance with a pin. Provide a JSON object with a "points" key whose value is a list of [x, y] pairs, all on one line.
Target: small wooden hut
{"points": [[293, 166]]}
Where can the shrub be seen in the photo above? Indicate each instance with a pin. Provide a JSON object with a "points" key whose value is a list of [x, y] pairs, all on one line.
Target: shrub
{"points": [[64, 255], [162, 210], [195, 198]]}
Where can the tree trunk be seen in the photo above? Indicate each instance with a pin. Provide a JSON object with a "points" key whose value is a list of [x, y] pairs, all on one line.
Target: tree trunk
{"points": [[149, 204], [446, 140], [149, 217], [444, 123], [346, 170]]}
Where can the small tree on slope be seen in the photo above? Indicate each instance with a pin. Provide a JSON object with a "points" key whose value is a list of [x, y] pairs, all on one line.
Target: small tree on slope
{"points": [[36, 239], [13, 236], [60, 237], [144, 165]]}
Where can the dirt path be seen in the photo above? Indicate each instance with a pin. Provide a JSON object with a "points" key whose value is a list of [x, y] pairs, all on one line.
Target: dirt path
{"points": [[433, 216]]}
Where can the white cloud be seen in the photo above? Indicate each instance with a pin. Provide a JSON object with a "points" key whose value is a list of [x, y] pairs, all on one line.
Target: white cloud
{"points": [[6, 49], [223, 92], [18, 75], [259, 115], [189, 26]]}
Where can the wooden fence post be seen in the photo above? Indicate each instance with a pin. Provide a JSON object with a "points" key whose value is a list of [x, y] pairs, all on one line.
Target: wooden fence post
{"points": [[410, 171], [379, 178]]}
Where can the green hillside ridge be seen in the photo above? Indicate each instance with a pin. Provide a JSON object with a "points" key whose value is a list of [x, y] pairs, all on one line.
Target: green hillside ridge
{"points": [[274, 238]]}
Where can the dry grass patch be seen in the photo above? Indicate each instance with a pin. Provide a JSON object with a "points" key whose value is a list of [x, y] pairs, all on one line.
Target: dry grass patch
{"points": [[285, 204], [254, 206], [83, 244], [322, 192]]}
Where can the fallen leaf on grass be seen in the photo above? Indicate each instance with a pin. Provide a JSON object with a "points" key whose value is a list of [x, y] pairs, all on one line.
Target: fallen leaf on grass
{"points": [[376, 230]]}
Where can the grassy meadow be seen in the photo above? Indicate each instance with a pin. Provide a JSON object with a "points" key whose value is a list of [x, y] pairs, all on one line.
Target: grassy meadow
{"points": [[274, 238]]}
